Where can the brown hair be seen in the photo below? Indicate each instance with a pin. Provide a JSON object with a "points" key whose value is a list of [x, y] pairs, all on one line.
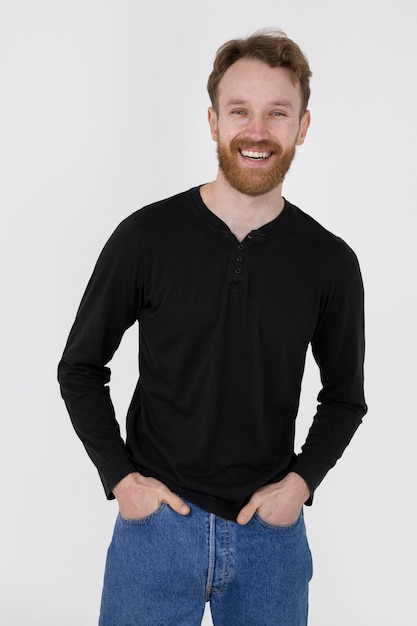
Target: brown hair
{"points": [[273, 48]]}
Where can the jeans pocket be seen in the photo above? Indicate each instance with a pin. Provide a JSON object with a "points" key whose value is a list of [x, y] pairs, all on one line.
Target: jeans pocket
{"points": [[284, 528], [143, 520]]}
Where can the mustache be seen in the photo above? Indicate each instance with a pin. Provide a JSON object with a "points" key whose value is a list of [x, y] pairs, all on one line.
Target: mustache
{"points": [[261, 146]]}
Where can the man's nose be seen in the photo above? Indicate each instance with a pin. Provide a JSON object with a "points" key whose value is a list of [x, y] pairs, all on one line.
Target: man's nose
{"points": [[257, 127]]}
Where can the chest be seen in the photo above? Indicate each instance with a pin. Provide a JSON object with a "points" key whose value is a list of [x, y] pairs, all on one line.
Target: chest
{"points": [[255, 285]]}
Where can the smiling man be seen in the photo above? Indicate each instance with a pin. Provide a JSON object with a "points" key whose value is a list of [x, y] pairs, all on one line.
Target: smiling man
{"points": [[260, 131], [230, 284]]}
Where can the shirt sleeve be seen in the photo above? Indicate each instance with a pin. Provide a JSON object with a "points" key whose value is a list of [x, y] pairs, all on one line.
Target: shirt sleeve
{"points": [[110, 305], [338, 348]]}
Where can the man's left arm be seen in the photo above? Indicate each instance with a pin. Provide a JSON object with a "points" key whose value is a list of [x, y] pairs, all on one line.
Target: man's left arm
{"points": [[338, 348], [278, 503]]}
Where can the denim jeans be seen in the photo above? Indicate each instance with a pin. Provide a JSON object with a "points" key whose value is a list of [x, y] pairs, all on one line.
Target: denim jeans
{"points": [[162, 569]]}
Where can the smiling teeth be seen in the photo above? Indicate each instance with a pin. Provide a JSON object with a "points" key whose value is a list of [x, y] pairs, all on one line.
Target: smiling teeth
{"points": [[255, 155]]}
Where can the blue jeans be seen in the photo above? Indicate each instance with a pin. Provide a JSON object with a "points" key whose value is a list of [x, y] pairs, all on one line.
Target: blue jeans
{"points": [[162, 569]]}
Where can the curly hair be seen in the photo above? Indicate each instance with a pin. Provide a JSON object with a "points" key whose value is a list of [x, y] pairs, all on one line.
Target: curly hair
{"points": [[273, 48]]}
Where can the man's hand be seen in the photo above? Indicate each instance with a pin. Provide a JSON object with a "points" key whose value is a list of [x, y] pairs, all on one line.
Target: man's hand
{"points": [[278, 503], [139, 496]]}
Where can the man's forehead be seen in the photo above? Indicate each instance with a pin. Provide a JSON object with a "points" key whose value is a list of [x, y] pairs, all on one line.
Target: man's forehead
{"points": [[247, 79]]}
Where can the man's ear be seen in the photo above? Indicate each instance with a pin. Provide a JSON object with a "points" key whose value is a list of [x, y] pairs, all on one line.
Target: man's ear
{"points": [[212, 119], [304, 124]]}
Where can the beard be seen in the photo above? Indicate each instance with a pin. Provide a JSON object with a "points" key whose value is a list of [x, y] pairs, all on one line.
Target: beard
{"points": [[254, 181]]}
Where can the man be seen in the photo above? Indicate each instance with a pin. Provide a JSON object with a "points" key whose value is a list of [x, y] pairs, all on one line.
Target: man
{"points": [[230, 284]]}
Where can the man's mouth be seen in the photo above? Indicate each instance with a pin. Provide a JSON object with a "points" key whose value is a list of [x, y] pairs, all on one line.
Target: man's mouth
{"points": [[254, 154]]}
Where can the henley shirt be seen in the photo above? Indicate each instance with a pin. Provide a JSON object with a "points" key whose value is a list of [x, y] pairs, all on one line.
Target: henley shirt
{"points": [[224, 327]]}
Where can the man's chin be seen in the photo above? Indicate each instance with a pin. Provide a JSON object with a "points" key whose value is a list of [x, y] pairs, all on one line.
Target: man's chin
{"points": [[253, 186]]}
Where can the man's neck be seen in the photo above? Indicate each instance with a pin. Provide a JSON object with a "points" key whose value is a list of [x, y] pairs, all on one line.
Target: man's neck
{"points": [[240, 212]]}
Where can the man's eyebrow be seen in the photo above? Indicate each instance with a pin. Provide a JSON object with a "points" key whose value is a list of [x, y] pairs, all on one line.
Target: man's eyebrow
{"points": [[277, 103], [283, 103], [235, 102]]}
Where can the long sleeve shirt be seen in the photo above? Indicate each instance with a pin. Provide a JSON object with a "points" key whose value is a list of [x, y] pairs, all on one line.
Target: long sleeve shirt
{"points": [[224, 327]]}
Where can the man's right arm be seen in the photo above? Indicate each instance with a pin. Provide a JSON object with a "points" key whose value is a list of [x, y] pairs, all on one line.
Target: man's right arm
{"points": [[110, 305], [138, 496]]}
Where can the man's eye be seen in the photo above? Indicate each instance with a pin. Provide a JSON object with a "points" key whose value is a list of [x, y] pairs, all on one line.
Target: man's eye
{"points": [[238, 112], [277, 114]]}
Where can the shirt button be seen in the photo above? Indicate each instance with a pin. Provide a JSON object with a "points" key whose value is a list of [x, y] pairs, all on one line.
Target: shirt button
{"points": [[240, 246], [238, 270], [239, 259]]}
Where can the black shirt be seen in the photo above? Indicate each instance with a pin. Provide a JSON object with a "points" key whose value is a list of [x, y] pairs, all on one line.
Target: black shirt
{"points": [[223, 332]]}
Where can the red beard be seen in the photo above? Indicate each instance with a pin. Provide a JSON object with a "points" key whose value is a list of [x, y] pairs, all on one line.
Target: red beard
{"points": [[254, 181]]}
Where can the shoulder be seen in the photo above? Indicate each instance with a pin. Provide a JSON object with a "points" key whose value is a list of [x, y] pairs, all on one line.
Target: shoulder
{"points": [[318, 240], [159, 213], [152, 222]]}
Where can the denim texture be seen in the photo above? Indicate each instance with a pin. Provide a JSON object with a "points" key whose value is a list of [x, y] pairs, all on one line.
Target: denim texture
{"points": [[162, 569]]}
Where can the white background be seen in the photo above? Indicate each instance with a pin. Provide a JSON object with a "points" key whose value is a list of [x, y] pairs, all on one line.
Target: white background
{"points": [[103, 110]]}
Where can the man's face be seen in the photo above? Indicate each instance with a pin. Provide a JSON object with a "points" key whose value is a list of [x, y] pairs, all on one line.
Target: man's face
{"points": [[257, 125]]}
